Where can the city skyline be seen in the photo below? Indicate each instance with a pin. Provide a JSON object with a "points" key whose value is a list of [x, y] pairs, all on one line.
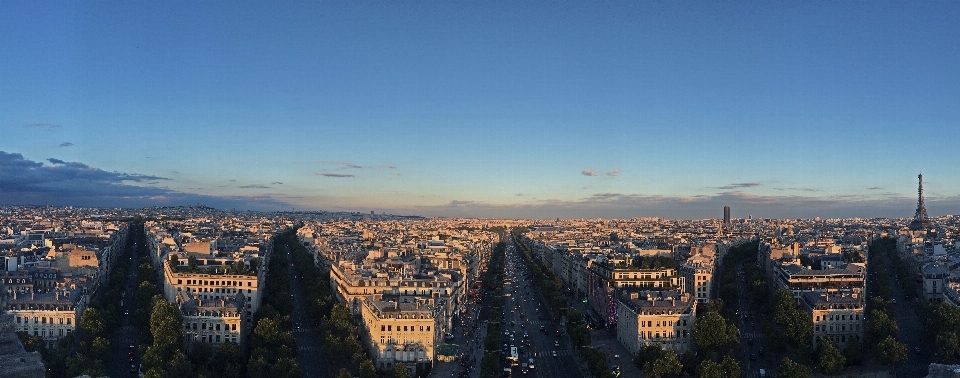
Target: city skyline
{"points": [[493, 110]]}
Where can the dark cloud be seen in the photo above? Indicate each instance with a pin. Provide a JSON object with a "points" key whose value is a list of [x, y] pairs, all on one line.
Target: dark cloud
{"points": [[62, 183], [254, 187], [588, 172], [66, 144], [328, 174], [739, 185], [49, 126]]}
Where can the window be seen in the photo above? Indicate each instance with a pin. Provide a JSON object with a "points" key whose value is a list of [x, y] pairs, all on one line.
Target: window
{"points": [[68, 321], [218, 327], [390, 328], [383, 328], [233, 327], [428, 328]]}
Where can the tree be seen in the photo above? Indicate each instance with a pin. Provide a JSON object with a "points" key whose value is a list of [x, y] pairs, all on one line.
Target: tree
{"points": [[891, 351], [344, 373], [710, 369], [400, 371], [165, 325], [731, 368], [829, 358], [711, 332], [91, 323], [192, 263], [853, 352], [647, 353], [667, 366], [790, 369], [881, 326], [174, 262], [367, 370]]}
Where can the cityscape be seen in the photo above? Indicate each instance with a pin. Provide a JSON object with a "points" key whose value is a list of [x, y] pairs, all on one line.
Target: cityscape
{"points": [[479, 189]]}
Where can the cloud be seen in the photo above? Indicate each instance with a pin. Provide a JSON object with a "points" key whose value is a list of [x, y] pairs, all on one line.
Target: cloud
{"points": [[739, 185], [625, 205], [388, 166], [276, 183], [253, 187], [519, 194], [62, 183], [592, 172], [329, 174], [874, 188], [48, 126], [66, 144]]}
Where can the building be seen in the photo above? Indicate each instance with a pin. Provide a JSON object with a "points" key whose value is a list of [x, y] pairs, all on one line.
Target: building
{"points": [[50, 315], [697, 272], [211, 321], [838, 317], [213, 287], [664, 318], [402, 330], [726, 215]]}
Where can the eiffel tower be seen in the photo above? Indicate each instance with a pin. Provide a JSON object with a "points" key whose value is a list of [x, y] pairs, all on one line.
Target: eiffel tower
{"points": [[920, 219]]}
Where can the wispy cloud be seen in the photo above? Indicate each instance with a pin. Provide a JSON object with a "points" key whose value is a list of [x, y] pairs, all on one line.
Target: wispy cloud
{"points": [[254, 187], [739, 185], [48, 126], [66, 144], [331, 174], [276, 183], [592, 172], [874, 188]]}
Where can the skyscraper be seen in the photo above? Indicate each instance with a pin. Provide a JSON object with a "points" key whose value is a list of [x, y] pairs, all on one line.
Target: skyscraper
{"points": [[726, 215]]}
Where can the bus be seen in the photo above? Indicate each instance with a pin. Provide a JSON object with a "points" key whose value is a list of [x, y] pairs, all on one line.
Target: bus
{"points": [[514, 356]]}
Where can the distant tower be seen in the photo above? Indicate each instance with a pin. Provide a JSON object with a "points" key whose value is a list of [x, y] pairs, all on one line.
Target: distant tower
{"points": [[920, 219], [726, 215]]}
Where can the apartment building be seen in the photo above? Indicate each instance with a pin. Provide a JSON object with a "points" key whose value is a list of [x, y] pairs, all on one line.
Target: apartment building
{"points": [[50, 315], [398, 277], [211, 321], [403, 330], [648, 317], [836, 316], [799, 279], [697, 272], [211, 287]]}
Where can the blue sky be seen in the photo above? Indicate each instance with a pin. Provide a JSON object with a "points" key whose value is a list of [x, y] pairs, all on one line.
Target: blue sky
{"points": [[485, 109]]}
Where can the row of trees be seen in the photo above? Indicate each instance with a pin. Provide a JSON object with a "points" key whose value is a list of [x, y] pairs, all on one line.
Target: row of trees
{"points": [[882, 330], [490, 364], [343, 350], [273, 348], [87, 350]]}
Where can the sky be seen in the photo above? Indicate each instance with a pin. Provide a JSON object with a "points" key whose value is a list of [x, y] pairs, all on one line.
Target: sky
{"points": [[490, 109]]}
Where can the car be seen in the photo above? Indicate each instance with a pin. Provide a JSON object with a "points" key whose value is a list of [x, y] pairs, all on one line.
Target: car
{"points": [[133, 368], [554, 353], [126, 312], [753, 356], [556, 344]]}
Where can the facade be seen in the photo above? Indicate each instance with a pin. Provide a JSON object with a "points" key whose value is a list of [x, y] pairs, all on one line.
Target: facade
{"points": [[697, 272], [211, 321], [838, 317], [205, 287], [400, 331], [664, 318], [50, 316], [798, 279]]}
